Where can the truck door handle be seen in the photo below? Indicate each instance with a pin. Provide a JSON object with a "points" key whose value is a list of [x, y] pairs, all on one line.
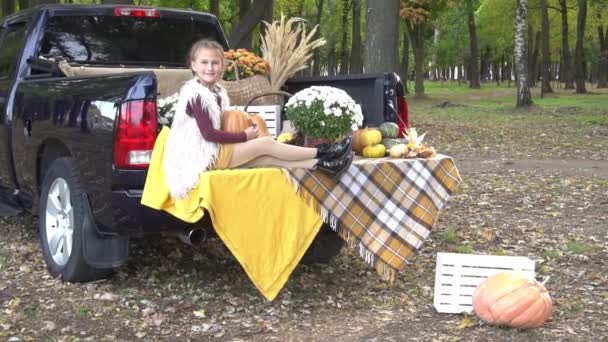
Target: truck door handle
{"points": [[27, 128]]}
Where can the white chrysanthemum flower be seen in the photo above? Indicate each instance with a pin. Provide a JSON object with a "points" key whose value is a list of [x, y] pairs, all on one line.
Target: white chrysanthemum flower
{"points": [[333, 104]]}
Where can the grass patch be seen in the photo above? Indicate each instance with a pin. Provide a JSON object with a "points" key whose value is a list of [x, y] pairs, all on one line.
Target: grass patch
{"points": [[450, 236], [552, 254], [83, 312], [464, 249], [500, 251], [579, 247]]}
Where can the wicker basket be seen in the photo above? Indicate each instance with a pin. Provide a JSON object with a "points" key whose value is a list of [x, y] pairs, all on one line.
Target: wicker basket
{"points": [[242, 90]]}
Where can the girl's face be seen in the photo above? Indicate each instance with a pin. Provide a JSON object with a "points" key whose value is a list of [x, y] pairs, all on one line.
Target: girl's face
{"points": [[207, 66]]}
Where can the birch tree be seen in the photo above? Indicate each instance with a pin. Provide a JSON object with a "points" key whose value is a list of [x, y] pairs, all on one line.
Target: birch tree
{"points": [[524, 98]]}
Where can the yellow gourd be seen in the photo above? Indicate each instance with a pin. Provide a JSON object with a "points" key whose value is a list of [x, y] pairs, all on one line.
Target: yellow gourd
{"points": [[398, 151], [374, 151], [285, 137], [370, 137]]}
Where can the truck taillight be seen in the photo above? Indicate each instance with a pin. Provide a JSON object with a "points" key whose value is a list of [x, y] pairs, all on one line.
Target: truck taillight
{"points": [[403, 116], [136, 12], [135, 134]]}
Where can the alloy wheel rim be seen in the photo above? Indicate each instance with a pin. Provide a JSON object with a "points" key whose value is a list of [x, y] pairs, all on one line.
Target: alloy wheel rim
{"points": [[59, 221]]}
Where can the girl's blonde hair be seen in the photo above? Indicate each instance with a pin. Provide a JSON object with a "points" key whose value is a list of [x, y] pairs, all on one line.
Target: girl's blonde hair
{"points": [[206, 44]]}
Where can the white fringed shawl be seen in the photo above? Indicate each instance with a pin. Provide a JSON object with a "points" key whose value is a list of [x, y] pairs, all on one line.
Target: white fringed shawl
{"points": [[187, 153]]}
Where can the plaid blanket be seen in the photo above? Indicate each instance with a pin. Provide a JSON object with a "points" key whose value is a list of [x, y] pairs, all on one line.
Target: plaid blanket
{"points": [[386, 207]]}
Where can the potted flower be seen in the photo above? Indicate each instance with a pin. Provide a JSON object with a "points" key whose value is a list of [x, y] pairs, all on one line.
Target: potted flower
{"points": [[243, 64], [321, 112], [165, 109]]}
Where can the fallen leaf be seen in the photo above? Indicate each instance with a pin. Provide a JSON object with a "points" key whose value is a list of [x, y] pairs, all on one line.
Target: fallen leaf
{"points": [[110, 297], [199, 313], [466, 322]]}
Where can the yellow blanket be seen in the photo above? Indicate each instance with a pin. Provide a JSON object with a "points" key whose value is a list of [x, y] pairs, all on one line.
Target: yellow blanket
{"points": [[256, 212]]}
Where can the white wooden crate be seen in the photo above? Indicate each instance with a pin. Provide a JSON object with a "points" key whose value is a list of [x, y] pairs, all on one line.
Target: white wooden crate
{"points": [[271, 115], [458, 275]]}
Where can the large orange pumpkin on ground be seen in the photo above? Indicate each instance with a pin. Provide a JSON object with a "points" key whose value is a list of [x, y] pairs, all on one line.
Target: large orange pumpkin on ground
{"points": [[236, 121], [510, 299]]}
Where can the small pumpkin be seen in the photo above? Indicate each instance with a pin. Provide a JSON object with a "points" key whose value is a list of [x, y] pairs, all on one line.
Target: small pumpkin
{"points": [[389, 129], [510, 299], [398, 151], [236, 121], [365, 137], [357, 146], [261, 123], [370, 136], [285, 137], [374, 151], [389, 142]]}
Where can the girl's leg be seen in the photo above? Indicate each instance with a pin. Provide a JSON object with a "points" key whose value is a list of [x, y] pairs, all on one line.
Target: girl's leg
{"points": [[288, 164], [252, 149]]}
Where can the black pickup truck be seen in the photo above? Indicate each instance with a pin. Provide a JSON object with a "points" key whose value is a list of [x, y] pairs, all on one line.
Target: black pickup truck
{"points": [[76, 136]]}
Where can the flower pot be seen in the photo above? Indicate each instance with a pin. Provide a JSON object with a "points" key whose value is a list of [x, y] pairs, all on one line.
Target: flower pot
{"points": [[313, 142]]}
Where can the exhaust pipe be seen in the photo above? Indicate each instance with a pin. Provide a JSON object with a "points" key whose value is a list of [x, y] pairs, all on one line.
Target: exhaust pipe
{"points": [[193, 237]]}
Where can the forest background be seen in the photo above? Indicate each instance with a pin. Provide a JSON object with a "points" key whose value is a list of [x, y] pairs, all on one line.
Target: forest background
{"points": [[564, 43]]}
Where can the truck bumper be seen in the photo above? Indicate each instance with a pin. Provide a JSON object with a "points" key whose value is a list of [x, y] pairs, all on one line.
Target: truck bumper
{"points": [[131, 218]]}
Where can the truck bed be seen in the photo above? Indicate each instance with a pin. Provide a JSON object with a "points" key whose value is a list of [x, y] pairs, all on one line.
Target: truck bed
{"points": [[374, 92]]}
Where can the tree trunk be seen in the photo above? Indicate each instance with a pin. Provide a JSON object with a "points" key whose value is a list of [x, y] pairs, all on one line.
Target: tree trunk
{"points": [[524, 98], [405, 60], [23, 4], [565, 67], [416, 34], [344, 50], [214, 7], [248, 23], [331, 43], [316, 66], [382, 36], [33, 3], [8, 7], [579, 58], [105, 2], [247, 41], [533, 57], [546, 64], [496, 71], [433, 68], [474, 60], [602, 77], [356, 57]]}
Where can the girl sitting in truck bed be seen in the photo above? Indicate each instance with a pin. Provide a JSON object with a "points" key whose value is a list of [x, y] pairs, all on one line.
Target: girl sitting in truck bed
{"points": [[196, 143]]}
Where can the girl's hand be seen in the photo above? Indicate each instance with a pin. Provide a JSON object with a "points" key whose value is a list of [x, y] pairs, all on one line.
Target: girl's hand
{"points": [[252, 132]]}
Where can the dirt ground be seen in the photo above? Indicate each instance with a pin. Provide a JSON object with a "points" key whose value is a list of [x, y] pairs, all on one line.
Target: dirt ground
{"points": [[521, 196]]}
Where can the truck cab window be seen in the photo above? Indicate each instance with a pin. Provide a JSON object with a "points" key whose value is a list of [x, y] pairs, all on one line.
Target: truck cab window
{"points": [[10, 48], [102, 39]]}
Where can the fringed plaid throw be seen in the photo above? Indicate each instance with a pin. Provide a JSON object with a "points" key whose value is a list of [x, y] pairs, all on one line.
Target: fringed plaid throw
{"points": [[386, 207]]}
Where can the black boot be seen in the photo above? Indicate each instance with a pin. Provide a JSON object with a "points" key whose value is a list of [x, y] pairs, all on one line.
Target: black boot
{"points": [[329, 151], [335, 168]]}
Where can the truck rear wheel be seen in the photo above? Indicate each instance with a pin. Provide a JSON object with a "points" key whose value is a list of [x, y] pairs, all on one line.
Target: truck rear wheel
{"points": [[60, 224], [326, 245]]}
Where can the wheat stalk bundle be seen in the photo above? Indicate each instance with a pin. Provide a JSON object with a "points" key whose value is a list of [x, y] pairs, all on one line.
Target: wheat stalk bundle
{"points": [[287, 47]]}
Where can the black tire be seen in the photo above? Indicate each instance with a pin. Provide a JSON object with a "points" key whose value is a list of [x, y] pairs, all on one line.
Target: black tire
{"points": [[63, 171], [326, 245]]}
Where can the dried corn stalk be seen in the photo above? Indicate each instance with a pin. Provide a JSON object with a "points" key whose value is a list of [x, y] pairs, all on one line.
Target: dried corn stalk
{"points": [[287, 47]]}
